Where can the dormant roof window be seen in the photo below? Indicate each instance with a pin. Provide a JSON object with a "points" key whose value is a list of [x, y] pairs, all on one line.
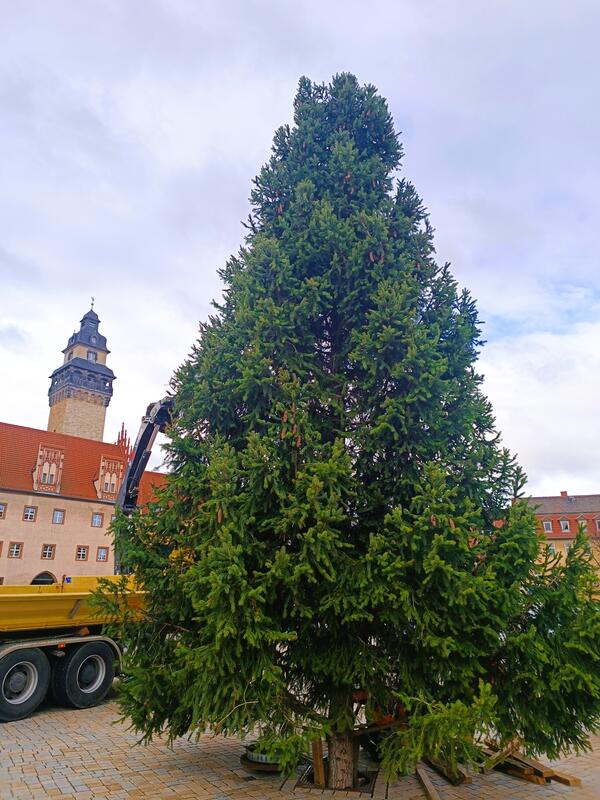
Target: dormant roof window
{"points": [[564, 525], [48, 472], [547, 526], [109, 481], [598, 525]]}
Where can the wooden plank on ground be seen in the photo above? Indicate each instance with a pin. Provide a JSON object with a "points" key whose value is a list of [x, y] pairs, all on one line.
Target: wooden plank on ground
{"points": [[425, 781], [455, 778], [318, 763], [568, 780], [540, 769], [527, 776], [501, 755]]}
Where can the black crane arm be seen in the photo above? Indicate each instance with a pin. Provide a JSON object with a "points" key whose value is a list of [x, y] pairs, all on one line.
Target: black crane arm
{"points": [[157, 417]]}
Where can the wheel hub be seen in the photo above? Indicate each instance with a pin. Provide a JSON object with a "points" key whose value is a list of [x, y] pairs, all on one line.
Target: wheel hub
{"points": [[17, 682], [91, 673], [20, 683]]}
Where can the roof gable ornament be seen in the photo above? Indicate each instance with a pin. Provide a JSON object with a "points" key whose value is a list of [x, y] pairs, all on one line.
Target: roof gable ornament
{"points": [[47, 473]]}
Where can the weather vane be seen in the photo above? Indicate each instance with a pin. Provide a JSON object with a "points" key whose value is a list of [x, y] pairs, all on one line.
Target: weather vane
{"points": [[92, 302]]}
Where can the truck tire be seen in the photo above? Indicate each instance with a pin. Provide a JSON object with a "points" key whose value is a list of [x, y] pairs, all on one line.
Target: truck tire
{"points": [[84, 676], [24, 679]]}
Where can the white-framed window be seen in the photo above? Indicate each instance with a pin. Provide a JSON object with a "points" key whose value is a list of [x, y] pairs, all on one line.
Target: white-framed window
{"points": [[97, 520], [564, 525], [552, 548], [91, 356], [568, 546], [3, 512], [48, 551], [81, 552], [58, 516], [598, 525], [547, 526], [29, 513], [15, 549], [102, 554], [583, 522]]}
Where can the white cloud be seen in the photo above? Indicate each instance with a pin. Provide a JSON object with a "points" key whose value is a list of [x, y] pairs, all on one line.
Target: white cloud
{"points": [[129, 140], [545, 389]]}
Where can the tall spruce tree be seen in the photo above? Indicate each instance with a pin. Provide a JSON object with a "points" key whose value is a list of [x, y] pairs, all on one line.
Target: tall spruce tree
{"points": [[324, 553]]}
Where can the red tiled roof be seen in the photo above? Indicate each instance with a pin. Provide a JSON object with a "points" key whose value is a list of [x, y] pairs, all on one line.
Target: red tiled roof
{"points": [[19, 447], [148, 482]]}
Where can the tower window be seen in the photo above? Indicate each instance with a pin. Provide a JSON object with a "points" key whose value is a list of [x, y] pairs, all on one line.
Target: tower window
{"points": [[70, 356], [91, 355]]}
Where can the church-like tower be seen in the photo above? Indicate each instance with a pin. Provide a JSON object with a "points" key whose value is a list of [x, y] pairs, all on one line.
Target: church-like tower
{"points": [[80, 389]]}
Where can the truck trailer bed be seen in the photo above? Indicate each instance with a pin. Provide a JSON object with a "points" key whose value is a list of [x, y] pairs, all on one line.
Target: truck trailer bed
{"points": [[58, 605]]}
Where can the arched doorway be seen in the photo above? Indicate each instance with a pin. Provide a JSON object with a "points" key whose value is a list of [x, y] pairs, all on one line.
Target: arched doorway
{"points": [[43, 579]]}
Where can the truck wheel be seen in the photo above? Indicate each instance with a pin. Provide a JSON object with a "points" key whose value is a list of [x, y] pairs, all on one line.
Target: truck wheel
{"points": [[24, 678], [84, 676]]}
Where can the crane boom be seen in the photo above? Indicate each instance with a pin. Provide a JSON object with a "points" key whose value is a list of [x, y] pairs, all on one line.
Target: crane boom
{"points": [[156, 419]]}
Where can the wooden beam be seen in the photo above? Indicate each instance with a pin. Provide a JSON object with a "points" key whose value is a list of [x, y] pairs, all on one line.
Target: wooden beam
{"points": [[568, 780], [428, 787], [318, 763], [455, 778], [527, 776], [540, 769]]}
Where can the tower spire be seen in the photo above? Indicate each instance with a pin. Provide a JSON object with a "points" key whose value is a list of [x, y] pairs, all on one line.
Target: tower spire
{"points": [[81, 389]]}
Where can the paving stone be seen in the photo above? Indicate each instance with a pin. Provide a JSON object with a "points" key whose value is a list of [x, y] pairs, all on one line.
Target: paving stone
{"points": [[83, 755]]}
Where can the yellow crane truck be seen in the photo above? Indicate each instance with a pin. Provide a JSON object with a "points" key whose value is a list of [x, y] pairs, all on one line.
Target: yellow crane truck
{"points": [[50, 637]]}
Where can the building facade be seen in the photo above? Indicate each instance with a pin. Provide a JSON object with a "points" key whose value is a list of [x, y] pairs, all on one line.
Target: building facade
{"points": [[57, 500], [560, 516], [58, 487]]}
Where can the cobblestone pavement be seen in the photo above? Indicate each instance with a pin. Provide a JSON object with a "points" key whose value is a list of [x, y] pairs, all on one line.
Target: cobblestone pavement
{"points": [[85, 754]]}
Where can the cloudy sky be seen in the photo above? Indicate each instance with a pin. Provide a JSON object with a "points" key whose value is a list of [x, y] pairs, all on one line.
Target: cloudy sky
{"points": [[130, 131]]}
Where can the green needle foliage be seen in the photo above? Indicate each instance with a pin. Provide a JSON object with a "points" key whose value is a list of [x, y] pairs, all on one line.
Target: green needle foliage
{"points": [[336, 472]]}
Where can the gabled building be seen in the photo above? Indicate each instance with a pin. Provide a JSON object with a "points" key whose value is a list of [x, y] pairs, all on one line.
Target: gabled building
{"points": [[58, 487], [561, 515], [57, 498]]}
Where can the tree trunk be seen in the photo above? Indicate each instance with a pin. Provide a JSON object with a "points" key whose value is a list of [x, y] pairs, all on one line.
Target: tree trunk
{"points": [[342, 761]]}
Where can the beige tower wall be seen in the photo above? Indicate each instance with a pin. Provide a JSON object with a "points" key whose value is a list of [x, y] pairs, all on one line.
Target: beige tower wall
{"points": [[81, 351], [81, 415]]}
